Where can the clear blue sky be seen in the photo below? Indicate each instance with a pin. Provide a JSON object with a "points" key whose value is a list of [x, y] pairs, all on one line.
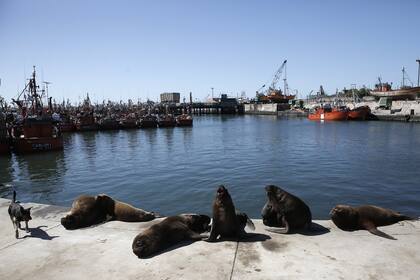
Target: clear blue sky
{"points": [[138, 49]]}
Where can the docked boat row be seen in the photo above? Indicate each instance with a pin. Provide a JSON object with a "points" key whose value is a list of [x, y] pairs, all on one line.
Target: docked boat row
{"points": [[88, 122], [32, 126], [328, 113]]}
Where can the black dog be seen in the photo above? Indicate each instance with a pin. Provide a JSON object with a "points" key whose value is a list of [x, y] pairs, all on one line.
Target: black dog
{"points": [[18, 214]]}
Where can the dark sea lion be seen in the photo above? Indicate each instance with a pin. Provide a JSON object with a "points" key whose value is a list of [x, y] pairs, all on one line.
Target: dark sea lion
{"points": [[91, 210], [227, 222], [285, 210], [366, 217], [169, 232]]}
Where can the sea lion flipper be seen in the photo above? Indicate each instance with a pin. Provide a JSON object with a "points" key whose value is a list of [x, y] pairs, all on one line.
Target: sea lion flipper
{"points": [[377, 232], [213, 234], [280, 230], [195, 236], [369, 226], [250, 224]]}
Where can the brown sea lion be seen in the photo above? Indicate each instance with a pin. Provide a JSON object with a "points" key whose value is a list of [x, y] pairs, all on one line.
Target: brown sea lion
{"points": [[227, 222], [285, 210], [169, 232], [91, 210], [366, 217]]}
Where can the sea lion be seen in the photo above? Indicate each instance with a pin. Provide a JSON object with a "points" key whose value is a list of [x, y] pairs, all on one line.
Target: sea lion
{"points": [[366, 217], [285, 210], [227, 222], [168, 232], [91, 210]]}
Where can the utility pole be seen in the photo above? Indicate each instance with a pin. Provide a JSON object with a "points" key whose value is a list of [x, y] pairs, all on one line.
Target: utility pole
{"points": [[418, 73]]}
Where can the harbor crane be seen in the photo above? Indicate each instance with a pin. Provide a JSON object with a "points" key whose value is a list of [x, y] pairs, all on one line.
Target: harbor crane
{"points": [[276, 79]]}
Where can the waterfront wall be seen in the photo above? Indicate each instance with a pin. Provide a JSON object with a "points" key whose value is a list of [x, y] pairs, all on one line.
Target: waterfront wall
{"points": [[265, 109]]}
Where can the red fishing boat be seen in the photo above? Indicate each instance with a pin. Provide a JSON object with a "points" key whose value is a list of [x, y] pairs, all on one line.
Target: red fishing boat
{"points": [[359, 113], [36, 131], [86, 122], [65, 122], [184, 120], [329, 114], [148, 121], [129, 121], [167, 121]]}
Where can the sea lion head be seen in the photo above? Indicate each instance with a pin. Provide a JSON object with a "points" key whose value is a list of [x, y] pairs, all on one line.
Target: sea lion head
{"points": [[345, 217], [198, 223], [144, 245], [223, 195]]}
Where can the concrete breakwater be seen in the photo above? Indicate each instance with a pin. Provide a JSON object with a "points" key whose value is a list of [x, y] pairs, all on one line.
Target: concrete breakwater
{"points": [[51, 252], [397, 110]]}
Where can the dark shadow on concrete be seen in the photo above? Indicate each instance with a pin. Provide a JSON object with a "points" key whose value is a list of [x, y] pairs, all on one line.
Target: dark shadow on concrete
{"points": [[38, 232], [171, 248], [315, 229], [247, 238]]}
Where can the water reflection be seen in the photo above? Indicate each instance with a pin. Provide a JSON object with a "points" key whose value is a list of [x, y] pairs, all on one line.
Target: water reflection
{"points": [[88, 144], [6, 174], [168, 133], [42, 167]]}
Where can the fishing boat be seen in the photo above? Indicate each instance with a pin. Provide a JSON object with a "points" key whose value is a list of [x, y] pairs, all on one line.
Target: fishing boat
{"points": [[360, 113], [36, 131], [404, 92], [129, 121], [184, 120], [166, 120], [148, 121], [86, 122], [65, 122], [329, 114], [109, 123]]}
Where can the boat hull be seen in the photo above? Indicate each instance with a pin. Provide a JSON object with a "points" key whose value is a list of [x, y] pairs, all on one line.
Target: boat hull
{"points": [[359, 114], [67, 127], [406, 93], [185, 122], [87, 127], [328, 116], [4, 148], [148, 124], [37, 144], [167, 123]]}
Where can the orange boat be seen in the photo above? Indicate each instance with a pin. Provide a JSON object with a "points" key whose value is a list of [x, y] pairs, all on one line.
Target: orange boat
{"points": [[328, 114], [359, 113]]}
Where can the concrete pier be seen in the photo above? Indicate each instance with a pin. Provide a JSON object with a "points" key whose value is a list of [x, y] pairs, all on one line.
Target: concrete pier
{"points": [[104, 252]]}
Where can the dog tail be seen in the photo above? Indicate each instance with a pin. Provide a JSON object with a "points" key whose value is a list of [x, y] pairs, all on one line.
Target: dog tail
{"points": [[14, 196]]}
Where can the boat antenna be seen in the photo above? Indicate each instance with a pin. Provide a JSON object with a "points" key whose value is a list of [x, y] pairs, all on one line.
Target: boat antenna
{"points": [[403, 72]]}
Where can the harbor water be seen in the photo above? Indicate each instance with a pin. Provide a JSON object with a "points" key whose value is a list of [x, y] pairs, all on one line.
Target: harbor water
{"points": [[177, 170]]}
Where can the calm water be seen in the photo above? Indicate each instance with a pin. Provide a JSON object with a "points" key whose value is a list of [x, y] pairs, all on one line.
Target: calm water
{"points": [[177, 170]]}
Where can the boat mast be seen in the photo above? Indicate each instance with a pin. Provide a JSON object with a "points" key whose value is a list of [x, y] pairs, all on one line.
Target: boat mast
{"points": [[285, 78], [418, 73], [403, 72]]}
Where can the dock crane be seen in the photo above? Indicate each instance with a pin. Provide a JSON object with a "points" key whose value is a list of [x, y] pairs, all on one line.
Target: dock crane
{"points": [[272, 94], [276, 79]]}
